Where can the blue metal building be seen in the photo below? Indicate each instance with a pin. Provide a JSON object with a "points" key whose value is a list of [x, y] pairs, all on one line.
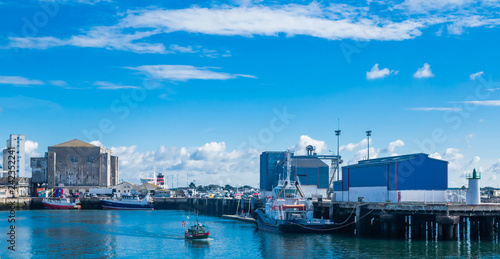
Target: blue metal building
{"points": [[268, 169], [394, 179], [309, 170]]}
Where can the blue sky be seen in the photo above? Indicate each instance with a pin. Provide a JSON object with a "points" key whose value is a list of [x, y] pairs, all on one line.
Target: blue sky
{"points": [[202, 87]]}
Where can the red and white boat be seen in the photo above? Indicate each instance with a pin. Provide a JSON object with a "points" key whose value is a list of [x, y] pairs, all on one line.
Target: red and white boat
{"points": [[61, 204]]}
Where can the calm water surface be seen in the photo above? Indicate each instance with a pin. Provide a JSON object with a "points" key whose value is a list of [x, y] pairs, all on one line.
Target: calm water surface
{"points": [[159, 234]]}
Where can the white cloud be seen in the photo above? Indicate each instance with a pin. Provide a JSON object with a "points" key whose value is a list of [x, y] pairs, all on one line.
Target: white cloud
{"points": [[18, 80], [184, 72], [476, 75], [482, 103], [210, 163], [376, 73], [111, 86], [97, 143], [291, 19], [426, 109], [30, 148], [98, 37], [455, 29], [354, 146], [393, 145], [436, 155], [304, 141], [59, 83], [362, 154], [458, 165], [424, 72], [333, 21]]}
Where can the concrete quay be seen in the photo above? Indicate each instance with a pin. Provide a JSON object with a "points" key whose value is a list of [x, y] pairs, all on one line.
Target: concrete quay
{"points": [[418, 221]]}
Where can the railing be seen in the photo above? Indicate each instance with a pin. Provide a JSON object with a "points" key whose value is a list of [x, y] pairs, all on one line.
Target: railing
{"points": [[431, 196]]}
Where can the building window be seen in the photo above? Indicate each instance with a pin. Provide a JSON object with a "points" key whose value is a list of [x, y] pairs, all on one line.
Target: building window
{"points": [[74, 159]]}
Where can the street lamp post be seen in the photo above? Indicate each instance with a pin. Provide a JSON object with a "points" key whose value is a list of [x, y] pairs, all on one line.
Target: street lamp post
{"points": [[368, 134], [337, 133]]}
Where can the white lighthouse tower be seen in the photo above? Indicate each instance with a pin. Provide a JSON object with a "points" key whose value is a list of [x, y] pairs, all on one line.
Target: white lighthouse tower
{"points": [[473, 193]]}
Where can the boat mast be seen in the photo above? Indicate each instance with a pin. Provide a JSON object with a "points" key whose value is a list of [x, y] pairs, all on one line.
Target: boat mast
{"points": [[288, 165]]}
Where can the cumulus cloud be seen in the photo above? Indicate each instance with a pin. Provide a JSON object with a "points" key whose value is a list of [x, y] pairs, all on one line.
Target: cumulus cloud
{"points": [[304, 141], [209, 163], [97, 143], [424, 72], [393, 145], [354, 146], [458, 165], [185, 72], [476, 75], [376, 73], [31, 148]]}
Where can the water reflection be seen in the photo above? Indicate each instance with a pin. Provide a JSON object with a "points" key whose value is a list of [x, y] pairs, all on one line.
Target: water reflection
{"points": [[69, 233], [159, 234], [197, 248]]}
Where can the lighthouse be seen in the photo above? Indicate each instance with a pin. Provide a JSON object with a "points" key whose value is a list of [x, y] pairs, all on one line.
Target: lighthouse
{"points": [[473, 193]]}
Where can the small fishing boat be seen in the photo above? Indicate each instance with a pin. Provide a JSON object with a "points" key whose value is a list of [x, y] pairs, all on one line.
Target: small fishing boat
{"points": [[197, 231], [61, 204], [128, 202]]}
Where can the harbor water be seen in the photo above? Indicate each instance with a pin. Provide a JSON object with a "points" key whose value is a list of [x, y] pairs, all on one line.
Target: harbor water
{"points": [[160, 234]]}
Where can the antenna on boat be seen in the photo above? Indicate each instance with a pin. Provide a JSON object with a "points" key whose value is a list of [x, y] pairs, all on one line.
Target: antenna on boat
{"points": [[288, 165]]}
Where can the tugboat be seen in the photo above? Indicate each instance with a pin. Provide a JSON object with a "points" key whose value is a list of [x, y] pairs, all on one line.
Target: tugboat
{"points": [[197, 231], [289, 211], [128, 202]]}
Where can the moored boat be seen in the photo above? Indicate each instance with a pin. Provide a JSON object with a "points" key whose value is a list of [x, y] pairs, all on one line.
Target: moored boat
{"points": [[128, 202], [61, 204], [289, 211], [197, 231]]}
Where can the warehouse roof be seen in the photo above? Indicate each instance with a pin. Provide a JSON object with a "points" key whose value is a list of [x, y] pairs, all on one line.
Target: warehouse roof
{"points": [[391, 159], [305, 162], [74, 143]]}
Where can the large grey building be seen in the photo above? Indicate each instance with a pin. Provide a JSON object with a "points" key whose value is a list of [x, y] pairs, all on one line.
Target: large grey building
{"points": [[17, 143], [75, 165]]}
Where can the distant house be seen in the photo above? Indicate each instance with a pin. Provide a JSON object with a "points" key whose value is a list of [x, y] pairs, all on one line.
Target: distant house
{"points": [[146, 188], [126, 188], [22, 186]]}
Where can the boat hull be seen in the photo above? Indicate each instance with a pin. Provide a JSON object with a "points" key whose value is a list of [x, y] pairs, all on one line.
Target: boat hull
{"points": [[48, 205], [113, 205], [292, 226], [198, 236]]}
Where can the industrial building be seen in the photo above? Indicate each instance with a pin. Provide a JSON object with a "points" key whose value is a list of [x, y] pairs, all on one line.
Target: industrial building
{"points": [[268, 170], [309, 170], [407, 178], [76, 166], [16, 142]]}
